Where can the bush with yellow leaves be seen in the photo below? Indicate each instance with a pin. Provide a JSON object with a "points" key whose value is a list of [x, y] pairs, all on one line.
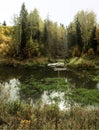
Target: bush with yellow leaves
{"points": [[24, 124]]}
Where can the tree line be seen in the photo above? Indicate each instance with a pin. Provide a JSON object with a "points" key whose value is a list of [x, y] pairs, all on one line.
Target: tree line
{"points": [[33, 37], [83, 37]]}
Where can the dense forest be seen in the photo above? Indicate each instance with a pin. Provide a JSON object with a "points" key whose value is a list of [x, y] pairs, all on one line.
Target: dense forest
{"points": [[30, 36]]}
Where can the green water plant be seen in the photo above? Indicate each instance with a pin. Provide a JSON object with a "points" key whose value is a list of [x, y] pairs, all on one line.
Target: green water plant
{"points": [[32, 86], [86, 96]]}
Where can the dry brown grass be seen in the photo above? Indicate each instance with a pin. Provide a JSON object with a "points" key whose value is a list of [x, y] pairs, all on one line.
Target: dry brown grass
{"points": [[22, 116]]}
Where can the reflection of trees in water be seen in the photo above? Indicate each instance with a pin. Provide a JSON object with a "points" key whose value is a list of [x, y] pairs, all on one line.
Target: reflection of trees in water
{"points": [[9, 91], [97, 86], [81, 79], [31, 98]]}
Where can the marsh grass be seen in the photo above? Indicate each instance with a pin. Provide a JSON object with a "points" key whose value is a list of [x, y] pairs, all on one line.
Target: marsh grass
{"points": [[86, 96], [20, 116], [33, 86]]}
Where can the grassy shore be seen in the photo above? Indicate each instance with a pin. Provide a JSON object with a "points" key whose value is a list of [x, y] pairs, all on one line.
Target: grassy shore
{"points": [[23, 62], [19, 116], [75, 62], [83, 63]]}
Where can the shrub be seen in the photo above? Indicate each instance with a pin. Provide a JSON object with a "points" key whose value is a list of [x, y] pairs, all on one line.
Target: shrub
{"points": [[90, 52]]}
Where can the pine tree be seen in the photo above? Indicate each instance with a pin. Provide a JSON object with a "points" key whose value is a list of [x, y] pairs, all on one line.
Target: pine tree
{"points": [[45, 38], [78, 36], [23, 24], [93, 42], [4, 23]]}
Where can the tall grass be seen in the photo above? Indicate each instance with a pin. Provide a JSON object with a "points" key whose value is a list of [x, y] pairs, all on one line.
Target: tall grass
{"points": [[19, 116]]}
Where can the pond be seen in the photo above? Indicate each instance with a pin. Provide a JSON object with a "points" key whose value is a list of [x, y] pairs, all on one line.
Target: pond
{"points": [[42, 85]]}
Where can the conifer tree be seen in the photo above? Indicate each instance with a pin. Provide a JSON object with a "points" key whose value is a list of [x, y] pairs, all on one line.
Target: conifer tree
{"points": [[23, 24], [93, 42], [78, 36]]}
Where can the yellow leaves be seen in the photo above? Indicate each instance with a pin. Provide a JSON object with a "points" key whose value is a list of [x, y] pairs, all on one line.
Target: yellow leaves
{"points": [[5, 39], [5, 30], [3, 49], [24, 124]]}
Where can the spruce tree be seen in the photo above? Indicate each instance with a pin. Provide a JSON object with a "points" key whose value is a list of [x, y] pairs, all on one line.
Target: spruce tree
{"points": [[23, 24], [78, 36], [93, 42], [4, 23]]}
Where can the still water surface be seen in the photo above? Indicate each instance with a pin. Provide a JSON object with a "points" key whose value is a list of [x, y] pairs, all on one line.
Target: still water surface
{"points": [[12, 77]]}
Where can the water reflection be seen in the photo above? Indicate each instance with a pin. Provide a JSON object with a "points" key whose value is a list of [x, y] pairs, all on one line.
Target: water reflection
{"points": [[54, 97], [10, 90], [11, 78], [97, 86]]}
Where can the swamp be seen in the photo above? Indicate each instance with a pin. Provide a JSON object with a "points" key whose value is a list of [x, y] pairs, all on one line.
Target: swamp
{"points": [[36, 95]]}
